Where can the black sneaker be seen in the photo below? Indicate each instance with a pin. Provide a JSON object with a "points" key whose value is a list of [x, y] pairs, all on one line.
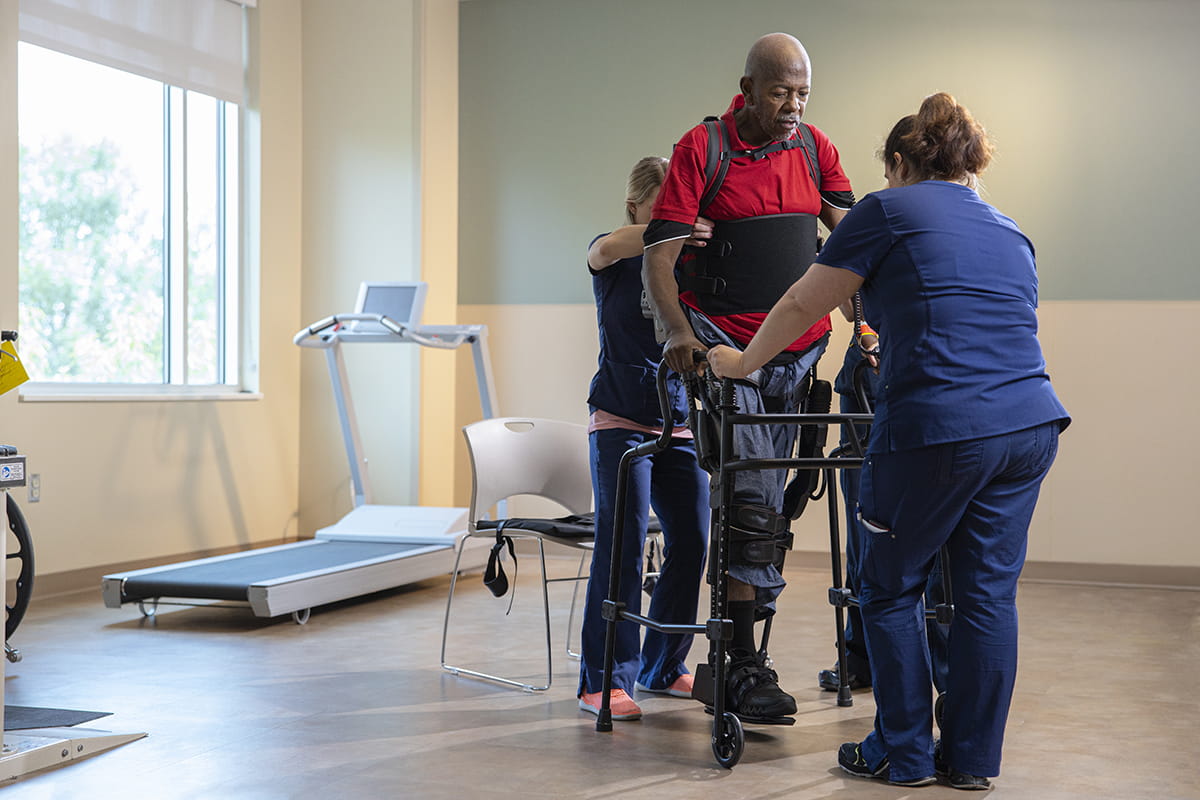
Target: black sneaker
{"points": [[753, 690], [954, 778], [961, 780], [850, 760], [828, 680]]}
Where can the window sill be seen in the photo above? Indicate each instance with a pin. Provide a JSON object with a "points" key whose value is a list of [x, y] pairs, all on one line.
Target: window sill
{"points": [[128, 393]]}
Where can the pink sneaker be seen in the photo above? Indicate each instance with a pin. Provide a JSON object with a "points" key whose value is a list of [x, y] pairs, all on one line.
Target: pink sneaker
{"points": [[682, 687], [621, 704]]}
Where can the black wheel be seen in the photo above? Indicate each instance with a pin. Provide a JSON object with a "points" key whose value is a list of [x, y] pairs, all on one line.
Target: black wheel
{"points": [[939, 710], [19, 568], [729, 739]]}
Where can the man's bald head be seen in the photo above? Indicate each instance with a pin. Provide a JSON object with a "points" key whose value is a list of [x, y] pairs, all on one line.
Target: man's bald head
{"points": [[775, 89], [773, 54]]}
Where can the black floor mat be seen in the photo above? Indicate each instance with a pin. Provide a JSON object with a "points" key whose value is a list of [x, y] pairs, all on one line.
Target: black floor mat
{"points": [[20, 718]]}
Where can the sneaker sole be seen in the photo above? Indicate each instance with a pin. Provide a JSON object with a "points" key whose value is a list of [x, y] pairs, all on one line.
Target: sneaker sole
{"points": [[881, 776], [969, 787], [668, 692], [616, 717], [871, 776]]}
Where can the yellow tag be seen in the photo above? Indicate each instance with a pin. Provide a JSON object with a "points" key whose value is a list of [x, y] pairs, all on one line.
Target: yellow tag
{"points": [[12, 371]]}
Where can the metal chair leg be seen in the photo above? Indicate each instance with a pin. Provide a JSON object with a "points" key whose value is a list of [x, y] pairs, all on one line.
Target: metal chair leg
{"points": [[546, 610], [458, 670]]}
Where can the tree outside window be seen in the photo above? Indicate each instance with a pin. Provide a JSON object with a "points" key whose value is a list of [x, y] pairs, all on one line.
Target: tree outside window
{"points": [[128, 257]]}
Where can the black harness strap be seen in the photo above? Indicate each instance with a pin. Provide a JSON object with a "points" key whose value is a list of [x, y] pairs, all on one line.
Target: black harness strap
{"points": [[715, 164], [719, 155], [493, 576]]}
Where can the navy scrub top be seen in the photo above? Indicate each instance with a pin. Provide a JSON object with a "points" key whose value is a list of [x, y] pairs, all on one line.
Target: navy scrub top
{"points": [[950, 283], [626, 377]]}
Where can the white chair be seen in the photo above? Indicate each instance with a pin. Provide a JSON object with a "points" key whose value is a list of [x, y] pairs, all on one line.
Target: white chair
{"points": [[513, 456]]}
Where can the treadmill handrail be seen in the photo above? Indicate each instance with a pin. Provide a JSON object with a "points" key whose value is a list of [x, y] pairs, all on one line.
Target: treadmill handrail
{"points": [[329, 334], [446, 337]]}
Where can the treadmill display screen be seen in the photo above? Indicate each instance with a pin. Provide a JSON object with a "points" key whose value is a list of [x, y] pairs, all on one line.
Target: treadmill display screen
{"points": [[400, 302]]}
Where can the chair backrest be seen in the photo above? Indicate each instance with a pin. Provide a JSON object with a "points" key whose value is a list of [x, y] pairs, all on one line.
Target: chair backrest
{"points": [[522, 455]]}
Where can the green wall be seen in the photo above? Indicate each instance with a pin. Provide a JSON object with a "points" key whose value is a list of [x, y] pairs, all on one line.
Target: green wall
{"points": [[1096, 141]]}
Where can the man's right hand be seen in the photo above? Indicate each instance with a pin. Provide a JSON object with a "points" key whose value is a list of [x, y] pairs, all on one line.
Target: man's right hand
{"points": [[678, 350]]}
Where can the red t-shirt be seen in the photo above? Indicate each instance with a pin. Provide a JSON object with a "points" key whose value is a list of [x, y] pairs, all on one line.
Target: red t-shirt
{"points": [[777, 184]]}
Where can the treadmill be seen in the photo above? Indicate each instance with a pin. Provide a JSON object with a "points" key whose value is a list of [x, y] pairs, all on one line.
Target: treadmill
{"points": [[372, 548]]}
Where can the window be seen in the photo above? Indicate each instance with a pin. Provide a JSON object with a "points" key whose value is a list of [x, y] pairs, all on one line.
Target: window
{"points": [[129, 240]]}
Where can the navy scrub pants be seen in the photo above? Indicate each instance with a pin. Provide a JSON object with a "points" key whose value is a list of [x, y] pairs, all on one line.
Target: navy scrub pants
{"points": [[978, 497], [672, 483], [857, 662]]}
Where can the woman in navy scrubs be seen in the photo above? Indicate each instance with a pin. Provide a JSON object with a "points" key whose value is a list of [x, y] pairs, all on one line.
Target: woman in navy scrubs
{"points": [[966, 427]]}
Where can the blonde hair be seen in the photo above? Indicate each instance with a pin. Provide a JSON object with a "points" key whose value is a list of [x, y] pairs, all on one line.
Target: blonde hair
{"points": [[646, 176]]}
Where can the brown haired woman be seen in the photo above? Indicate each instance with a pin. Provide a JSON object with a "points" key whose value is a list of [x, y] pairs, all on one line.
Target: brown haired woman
{"points": [[966, 427]]}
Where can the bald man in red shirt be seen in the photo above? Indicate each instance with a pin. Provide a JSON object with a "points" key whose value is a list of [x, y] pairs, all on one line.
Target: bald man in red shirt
{"points": [[782, 177]]}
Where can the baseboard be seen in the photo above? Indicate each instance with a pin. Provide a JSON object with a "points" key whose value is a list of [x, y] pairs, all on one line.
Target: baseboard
{"points": [[1131, 575]]}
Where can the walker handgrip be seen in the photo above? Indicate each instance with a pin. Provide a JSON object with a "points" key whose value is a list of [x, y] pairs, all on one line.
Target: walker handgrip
{"points": [[664, 406], [8, 336]]}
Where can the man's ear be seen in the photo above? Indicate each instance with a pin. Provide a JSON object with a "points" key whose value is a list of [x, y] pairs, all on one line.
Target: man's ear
{"points": [[747, 86]]}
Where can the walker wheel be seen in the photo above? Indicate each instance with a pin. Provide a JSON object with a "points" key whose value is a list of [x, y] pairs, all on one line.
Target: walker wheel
{"points": [[729, 739], [939, 710]]}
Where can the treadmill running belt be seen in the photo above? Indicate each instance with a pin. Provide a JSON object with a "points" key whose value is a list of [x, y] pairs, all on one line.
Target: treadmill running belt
{"points": [[230, 579]]}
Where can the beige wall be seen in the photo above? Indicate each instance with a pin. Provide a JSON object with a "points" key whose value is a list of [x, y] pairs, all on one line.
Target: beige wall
{"points": [[1125, 467], [438, 112], [360, 223], [127, 482], [380, 87]]}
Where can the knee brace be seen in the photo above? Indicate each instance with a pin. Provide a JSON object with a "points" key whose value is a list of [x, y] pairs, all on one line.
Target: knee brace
{"points": [[758, 536]]}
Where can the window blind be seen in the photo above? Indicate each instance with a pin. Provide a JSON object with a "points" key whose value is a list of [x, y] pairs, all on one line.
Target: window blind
{"points": [[195, 44]]}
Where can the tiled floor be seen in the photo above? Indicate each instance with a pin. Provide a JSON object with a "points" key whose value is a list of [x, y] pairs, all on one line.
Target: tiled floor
{"points": [[354, 705]]}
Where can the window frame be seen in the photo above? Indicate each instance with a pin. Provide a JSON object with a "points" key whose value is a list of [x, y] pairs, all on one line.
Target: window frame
{"points": [[233, 317]]}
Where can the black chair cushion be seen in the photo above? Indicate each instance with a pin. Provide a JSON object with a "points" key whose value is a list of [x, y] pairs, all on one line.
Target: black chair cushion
{"points": [[572, 526]]}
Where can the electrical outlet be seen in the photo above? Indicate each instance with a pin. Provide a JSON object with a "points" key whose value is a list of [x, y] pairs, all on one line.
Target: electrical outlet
{"points": [[35, 488]]}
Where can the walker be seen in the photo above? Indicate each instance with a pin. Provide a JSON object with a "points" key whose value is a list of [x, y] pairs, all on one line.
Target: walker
{"points": [[712, 415]]}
